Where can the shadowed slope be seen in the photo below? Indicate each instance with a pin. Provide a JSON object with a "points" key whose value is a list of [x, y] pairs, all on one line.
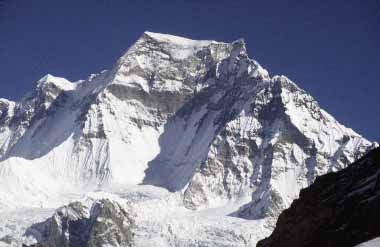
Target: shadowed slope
{"points": [[339, 209]]}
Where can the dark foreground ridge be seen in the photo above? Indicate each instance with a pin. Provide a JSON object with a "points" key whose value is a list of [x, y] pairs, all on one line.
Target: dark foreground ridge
{"points": [[339, 209]]}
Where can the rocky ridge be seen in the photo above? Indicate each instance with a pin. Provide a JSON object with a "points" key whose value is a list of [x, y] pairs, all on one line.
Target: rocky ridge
{"points": [[104, 223], [339, 209]]}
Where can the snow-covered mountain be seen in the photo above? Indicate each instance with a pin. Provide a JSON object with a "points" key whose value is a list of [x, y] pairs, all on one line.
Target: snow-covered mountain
{"points": [[198, 118]]}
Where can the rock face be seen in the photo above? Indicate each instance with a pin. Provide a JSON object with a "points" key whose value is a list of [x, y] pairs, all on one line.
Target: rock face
{"points": [[104, 223], [339, 209]]}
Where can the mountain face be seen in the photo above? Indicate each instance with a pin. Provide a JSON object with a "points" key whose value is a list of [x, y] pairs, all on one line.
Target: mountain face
{"points": [[339, 209], [198, 118]]}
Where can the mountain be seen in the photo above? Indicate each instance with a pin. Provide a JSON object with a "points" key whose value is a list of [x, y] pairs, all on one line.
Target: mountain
{"points": [[197, 118], [339, 209]]}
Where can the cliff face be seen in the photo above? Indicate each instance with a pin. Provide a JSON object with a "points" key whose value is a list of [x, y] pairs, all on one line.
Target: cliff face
{"points": [[339, 209]]}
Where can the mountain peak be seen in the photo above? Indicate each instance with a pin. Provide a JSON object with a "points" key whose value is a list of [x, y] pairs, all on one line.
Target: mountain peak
{"points": [[58, 82], [168, 38], [239, 46]]}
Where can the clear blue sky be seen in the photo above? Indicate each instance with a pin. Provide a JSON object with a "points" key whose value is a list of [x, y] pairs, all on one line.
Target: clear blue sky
{"points": [[331, 48]]}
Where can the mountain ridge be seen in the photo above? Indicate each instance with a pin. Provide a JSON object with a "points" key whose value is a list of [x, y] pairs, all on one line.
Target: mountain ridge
{"points": [[346, 203]]}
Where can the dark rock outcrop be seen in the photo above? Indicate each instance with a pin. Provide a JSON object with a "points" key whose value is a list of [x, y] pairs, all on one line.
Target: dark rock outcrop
{"points": [[104, 223], [339, 209]]}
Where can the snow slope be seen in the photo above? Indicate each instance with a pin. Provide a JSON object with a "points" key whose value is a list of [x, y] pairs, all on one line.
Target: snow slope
{"points": [[373, 243], [198, 118]]}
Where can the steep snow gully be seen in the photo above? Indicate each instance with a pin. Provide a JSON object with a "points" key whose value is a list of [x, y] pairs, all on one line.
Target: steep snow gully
{"points": [[181, 143]]}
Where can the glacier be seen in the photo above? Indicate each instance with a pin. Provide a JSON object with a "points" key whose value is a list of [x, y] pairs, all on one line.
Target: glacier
{"points": [[197, 138]]}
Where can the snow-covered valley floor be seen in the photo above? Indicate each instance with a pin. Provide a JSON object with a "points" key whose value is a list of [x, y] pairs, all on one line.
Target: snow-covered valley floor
{"points": [[160, 220]]}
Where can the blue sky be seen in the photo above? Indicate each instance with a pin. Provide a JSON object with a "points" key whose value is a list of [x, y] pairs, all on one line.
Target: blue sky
{"points": [[329, 48]]}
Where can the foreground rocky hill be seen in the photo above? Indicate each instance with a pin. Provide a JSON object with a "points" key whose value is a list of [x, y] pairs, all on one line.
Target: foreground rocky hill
{"points": [[199, 119], [339, 209], [96, 223]]}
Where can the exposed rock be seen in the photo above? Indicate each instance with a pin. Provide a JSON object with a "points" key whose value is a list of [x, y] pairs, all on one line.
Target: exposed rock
{"points": [[105, 223], [7, 240], [339, 209]]}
